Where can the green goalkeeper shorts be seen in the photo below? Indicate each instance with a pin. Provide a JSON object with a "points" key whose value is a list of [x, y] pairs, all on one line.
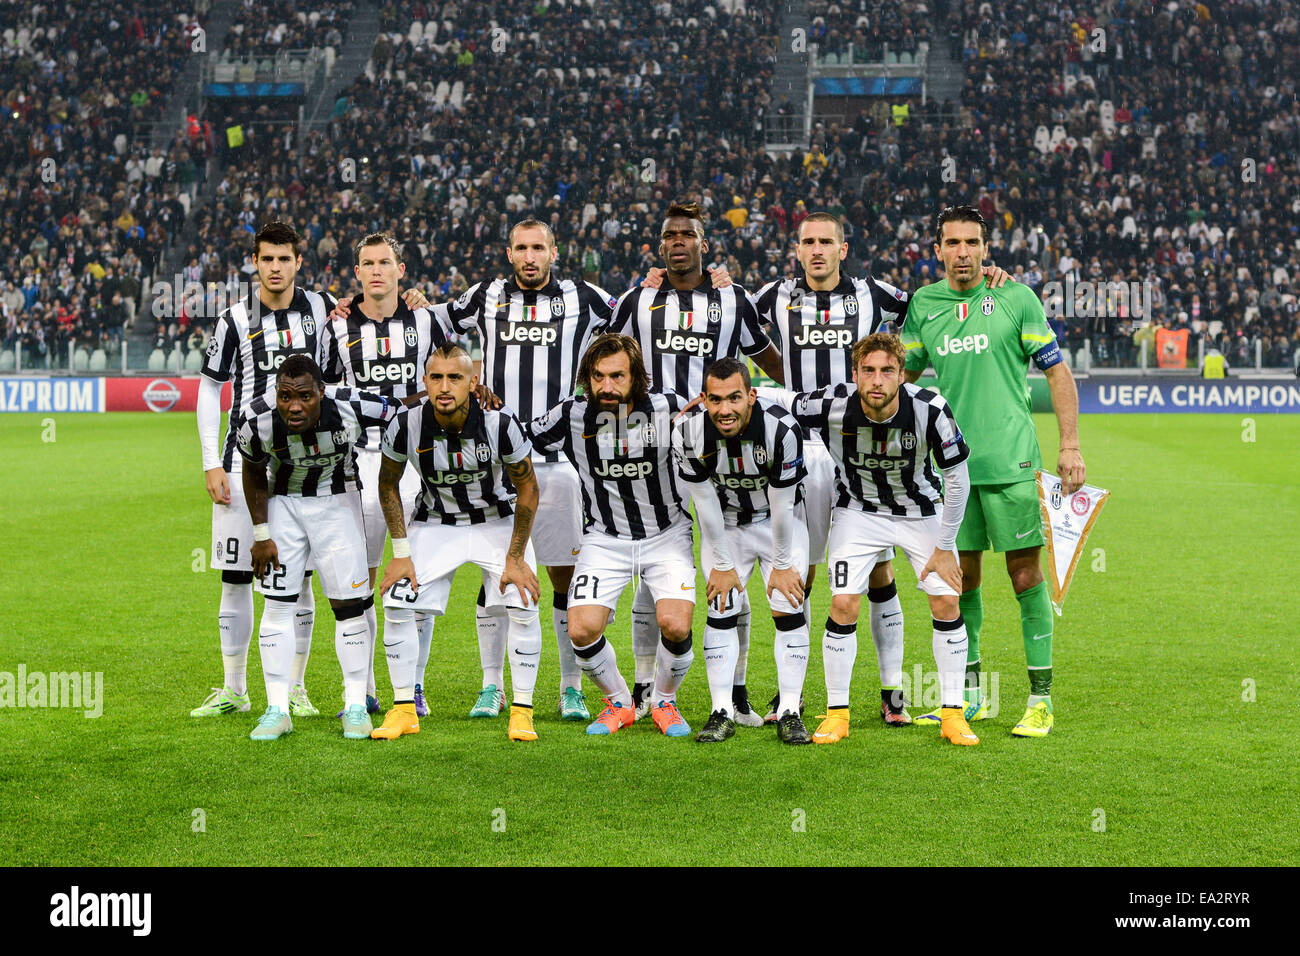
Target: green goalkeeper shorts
{"points": [[1005, 517]]}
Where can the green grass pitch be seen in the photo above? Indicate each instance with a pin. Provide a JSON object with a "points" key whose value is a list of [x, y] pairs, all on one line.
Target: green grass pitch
{"points": [[1187, 606]]}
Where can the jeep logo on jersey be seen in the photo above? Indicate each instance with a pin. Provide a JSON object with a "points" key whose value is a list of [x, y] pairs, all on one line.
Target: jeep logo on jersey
{"points": [[862, 460], [525, 333], [619, 469], [409, 337], [850, 305], [715, 313], [382, 372], [738, 481], [810, 336], [316, 462], [272, 360], [986, 305], [684, 344], [440, 478], [951, 345]]}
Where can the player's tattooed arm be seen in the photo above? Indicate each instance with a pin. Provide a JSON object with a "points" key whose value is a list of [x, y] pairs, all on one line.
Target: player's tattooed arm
{"points": [[527, 495], [390, 499]]}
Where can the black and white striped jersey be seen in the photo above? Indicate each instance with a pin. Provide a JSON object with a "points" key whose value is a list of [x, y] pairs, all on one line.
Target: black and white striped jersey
{"points": [[817, 329], [624, 462], [321, 460], [884, 467], [682, 333], [768, 451], [462, 472], [533, 339], [387, 357], [250, 342]]}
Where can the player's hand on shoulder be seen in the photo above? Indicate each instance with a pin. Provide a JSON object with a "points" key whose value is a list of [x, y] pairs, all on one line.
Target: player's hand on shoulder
{"points": [[486, 397], [518, 573], [694, 403], [720, 276], [218, 483], [944, 564], [654, 278], [397, 569], [415, 299], [341, 308], [996, 276]]}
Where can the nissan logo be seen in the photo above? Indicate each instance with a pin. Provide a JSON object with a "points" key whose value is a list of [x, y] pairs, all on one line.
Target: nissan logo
{"points": [[161, 395]]}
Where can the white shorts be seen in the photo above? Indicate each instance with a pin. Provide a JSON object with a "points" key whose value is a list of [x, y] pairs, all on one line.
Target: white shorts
{"points": [[753, 542], [819, 499], [232, 528], [438, 550], [557, 526], [858, 540], [372, 515], [325, 531], [665, 562]]}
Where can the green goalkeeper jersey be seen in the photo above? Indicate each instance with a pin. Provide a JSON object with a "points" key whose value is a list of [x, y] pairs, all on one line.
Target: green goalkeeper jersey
{"points": [[980, 343]]}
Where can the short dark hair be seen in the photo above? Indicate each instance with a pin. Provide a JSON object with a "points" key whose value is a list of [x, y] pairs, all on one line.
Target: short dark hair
{"points": [[277, 233], [378, 239], [447, 350], [834, 220], [960, 214], [298, 365], [531, 223], [879, 342], [602, 347], [686, 210], [726, 367]]}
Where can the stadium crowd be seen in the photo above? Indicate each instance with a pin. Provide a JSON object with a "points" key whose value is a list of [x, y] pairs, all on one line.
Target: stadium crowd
{"points": [[88, 205], [1164, 155]]}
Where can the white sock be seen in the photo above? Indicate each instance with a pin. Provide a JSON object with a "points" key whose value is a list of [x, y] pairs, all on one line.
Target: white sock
{"points": [[275, 640], [645, 635], [599, 662], [570, 672], [671, 669], [950, 645], [525, 644], [887, 635], [720, 650], [792, 649], [401, 648], [372, 635], [304, 619], [424, 631], [235, 625], [742, 641], [839, 651], [491, 646], [350, 642]]}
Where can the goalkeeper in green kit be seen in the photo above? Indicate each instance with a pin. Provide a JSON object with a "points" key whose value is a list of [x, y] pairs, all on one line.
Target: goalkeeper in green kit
{"points": [[980, 342]]}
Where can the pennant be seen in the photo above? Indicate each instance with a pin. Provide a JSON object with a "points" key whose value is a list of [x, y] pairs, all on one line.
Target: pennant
{"points": [[1067, 521]]}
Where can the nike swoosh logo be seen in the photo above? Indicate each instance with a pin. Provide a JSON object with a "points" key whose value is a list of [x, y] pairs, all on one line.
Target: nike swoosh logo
{"points": [[934, 315], [886, 617], [1024, 535], [421, 451], [386, 644], [659, 306], [358, 584], [956, 642], [352, 343], [575, 551], [354, 634], [688, 587], [1039, 637], [526, 654], [849, 433], [253, 335]]}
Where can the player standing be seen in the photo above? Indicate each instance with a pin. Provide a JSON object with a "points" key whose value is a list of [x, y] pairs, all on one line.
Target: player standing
{"points": [[743, 460], [882, 438], [618, 435], [250, 341], [682, 329], [980, 342], [478, 502], [535, 328], [308, 508], [379, 343]]}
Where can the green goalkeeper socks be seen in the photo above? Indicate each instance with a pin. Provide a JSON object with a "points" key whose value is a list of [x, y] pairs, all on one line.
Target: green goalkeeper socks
{"points": [[1036, 629], [972, 611]]}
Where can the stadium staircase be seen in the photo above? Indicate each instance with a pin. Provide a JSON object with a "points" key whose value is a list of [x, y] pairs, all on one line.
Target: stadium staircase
{"points": [[790, 82], [944, 77], [185, 97], [363, 30]]}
